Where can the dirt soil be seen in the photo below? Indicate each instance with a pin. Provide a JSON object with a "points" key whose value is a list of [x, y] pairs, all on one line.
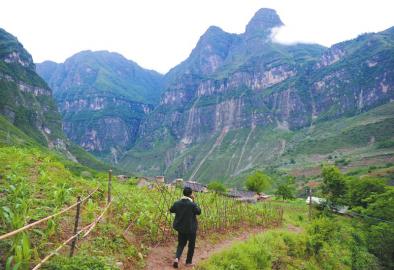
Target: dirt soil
{"points": [[161, 257]]}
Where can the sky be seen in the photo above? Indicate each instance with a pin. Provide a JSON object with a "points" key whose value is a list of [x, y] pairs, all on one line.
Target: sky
{"points": [[159, 34]]}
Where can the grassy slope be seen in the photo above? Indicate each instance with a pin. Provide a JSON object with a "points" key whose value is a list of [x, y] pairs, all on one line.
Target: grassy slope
{"points": [[12, 136], [300, 244], [35, 183]]}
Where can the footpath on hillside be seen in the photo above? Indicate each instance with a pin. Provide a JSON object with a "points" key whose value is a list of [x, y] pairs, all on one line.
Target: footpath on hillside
{"points": [[161, 257]]}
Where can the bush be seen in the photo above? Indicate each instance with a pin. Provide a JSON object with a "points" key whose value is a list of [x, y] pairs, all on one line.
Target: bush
{"points": [[78, 263], [286, 191], [86, 174], [385, 144], [343, 162], [217, 187], [326, 244], [258, 181], [361, 189]]}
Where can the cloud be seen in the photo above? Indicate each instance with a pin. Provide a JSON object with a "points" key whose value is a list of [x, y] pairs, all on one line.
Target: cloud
{"points": [[288, 36]]}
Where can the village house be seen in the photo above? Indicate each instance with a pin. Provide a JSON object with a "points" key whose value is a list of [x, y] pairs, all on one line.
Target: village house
{"points": [[144, 182], [244, 196], [195, 186], [122, 178]]}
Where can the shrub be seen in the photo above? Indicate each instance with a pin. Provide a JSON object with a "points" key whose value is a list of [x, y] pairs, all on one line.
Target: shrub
{"points": [[361, 189], [217, 187], [78, 263], [86, 174], [326, 244], [286, 191], [258, 181]]}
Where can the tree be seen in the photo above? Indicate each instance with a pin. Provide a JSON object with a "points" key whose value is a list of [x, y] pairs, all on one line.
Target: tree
{"points": [[217, 187], [334, 185], [362, 188], [258, 181], [379, 217], [286, 191]]}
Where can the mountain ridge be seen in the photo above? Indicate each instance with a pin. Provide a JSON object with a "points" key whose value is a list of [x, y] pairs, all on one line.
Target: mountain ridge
{"points": [[241, 86], [102, 97], [259, 83]]}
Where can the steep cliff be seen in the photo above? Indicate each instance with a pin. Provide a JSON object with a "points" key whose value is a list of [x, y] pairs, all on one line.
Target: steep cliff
{"points": [[28, 113], [26, 100], [237, 101], [103, 98]]}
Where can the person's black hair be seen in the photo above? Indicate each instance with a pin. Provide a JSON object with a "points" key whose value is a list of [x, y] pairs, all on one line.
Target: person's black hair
{"points": [[187, 191]]}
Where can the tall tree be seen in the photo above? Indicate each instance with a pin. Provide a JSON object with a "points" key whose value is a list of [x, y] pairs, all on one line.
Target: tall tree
{"points": [[334, 185]]}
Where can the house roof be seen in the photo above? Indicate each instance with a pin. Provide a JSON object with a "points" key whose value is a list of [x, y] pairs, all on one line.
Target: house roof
{"points": [[195, 186], [313, 184], [241, 194]]}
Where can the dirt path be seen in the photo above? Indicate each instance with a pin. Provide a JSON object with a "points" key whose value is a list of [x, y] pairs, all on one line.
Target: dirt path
{"points": [[161, 258]]}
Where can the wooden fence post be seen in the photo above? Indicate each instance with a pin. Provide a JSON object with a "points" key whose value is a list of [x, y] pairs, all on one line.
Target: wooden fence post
{"points": [[310, 204], [109, 186], [74, 242]]}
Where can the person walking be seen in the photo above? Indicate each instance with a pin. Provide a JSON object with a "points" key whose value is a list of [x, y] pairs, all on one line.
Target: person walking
{"points": [[185, 224]]}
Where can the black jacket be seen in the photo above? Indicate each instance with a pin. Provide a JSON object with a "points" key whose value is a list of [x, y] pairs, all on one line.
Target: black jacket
{"points": [[185, 216]]}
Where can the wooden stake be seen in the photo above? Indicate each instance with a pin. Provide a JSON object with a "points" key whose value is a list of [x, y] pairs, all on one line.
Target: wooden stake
{"points": [[310, 204], [74, 242], [109, 186]]}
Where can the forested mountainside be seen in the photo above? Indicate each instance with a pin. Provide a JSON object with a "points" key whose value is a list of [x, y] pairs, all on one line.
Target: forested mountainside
{"points": [[28, 113], [241, 102], [102, 98]]}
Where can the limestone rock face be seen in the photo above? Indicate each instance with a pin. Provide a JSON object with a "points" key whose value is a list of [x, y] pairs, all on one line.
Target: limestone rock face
{"points": [[25, 99], [232, 83], [103, 98]]}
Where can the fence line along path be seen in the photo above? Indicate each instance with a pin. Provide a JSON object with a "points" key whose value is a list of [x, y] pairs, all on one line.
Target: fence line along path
{"points": [[31, 225], [86, 230]]}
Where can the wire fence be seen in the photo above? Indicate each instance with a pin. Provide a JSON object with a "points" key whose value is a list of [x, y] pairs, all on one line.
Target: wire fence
{"points": [[86, 229], [219, 213]]}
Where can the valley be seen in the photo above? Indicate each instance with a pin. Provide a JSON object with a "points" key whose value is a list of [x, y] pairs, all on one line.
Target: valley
{"points": [[285, 94], [255, 127]]}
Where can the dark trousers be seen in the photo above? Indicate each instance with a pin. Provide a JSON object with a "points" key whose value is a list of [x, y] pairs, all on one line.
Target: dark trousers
{"points": [[183, 238]]}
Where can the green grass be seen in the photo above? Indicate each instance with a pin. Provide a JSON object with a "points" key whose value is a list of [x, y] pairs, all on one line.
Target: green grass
{"points": [[325, 244], [13, 136], [36, 183], [10, 135]]}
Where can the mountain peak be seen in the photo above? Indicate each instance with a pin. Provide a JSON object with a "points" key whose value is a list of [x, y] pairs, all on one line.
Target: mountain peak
{"points": [[263, 21]]}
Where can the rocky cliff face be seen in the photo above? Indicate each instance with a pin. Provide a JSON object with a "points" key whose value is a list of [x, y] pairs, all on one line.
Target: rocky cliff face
{"points": [[28, 112], [26, 100], [233, 84], [103, 98]]}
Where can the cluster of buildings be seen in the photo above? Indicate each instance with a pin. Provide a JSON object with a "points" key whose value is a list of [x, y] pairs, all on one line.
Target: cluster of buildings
{"points": [[241, 195]]}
